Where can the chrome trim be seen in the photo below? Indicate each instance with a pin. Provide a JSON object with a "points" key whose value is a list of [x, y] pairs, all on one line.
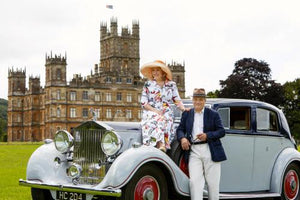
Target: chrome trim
{"points": [[252, 195], [88, 154], [101, 192]]}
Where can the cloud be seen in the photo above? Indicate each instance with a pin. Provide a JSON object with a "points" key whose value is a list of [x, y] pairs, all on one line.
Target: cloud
{"points": [[209, 36]]}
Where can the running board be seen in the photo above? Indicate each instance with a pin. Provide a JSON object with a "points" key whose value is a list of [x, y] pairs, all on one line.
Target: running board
{"points": [[248, 195]]}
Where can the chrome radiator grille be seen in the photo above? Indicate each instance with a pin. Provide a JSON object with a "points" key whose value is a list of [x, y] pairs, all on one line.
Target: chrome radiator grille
{"points": [[88, 154]]}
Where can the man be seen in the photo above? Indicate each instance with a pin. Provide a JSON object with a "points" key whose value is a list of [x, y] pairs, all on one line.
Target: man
{"points": [[199, 134]]}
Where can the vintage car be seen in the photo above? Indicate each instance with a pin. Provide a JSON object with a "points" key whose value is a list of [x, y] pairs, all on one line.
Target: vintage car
{"points": [[106, 160]]}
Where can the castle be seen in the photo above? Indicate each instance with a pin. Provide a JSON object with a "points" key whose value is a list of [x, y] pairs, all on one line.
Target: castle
{"points": [[111, 93]]}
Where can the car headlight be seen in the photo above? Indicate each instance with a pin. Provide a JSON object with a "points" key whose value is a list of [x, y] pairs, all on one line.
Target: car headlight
{"points": [[75, 171], [63, 141], [110, 143]]}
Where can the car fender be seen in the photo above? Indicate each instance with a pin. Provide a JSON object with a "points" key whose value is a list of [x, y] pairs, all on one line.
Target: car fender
{"points": [[41, 166], [286, 157], [125, 166]]}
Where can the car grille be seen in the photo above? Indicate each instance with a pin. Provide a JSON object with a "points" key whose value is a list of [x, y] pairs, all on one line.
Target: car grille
{"points": [[88, 154]]}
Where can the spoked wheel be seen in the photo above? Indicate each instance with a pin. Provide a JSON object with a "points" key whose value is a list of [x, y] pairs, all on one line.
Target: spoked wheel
{"points": [[148, 183], [290, 185]]}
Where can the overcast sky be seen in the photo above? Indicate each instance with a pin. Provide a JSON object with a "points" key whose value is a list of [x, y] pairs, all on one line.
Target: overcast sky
{"points": [[209, 36]]}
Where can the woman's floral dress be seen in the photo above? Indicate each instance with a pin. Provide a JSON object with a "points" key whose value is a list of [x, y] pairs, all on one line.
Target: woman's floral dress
{"points": [[157, 127]]}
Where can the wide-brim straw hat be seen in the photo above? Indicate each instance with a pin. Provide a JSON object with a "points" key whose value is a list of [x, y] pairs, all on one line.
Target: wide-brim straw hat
{"points": [[146, 69]]}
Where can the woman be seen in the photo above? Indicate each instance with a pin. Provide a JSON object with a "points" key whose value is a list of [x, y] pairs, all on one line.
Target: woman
{"points": [[159, 92]]}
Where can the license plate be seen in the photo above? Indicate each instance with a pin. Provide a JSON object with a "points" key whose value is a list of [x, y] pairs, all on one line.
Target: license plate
{"points": [[60, 195]]}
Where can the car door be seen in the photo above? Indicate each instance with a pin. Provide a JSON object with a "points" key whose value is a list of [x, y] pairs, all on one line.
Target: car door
{"points": [[237, 170], [268, 144]]}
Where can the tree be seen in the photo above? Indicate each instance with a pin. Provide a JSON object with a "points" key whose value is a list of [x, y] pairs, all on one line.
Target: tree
{"points": [[291, 106], [251, 79], [3, 118]]}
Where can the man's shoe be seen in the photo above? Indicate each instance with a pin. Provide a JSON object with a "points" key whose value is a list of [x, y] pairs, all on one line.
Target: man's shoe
{"points": [[163, 149]]}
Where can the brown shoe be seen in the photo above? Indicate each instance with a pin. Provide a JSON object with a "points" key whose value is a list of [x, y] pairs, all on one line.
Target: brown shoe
{"points": [[163, 148]]}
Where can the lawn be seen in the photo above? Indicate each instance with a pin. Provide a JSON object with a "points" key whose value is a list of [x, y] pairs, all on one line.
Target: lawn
{"points": [[13, 161]]}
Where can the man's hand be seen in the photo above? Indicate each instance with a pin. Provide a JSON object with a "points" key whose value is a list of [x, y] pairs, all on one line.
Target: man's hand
{"points": [[185, 144], [202, 136]]}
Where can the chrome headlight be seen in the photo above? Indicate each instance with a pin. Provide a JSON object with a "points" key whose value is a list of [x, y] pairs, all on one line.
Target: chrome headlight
{"points": [[63, 141], [110, 143], [75, 171]]}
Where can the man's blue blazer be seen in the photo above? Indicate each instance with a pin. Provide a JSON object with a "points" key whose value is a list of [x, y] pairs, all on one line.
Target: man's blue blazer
{"points": [[212, 126]]}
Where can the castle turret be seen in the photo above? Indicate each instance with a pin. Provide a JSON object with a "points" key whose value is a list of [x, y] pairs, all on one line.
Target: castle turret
{"points": [[16, 82], [114, 26], [103, 29], [125, 32], [56, 70], [34, 85], [178, 72], [135, 28]]}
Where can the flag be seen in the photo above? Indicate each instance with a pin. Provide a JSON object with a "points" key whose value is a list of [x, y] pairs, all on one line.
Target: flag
{"points": [[109, 6]]}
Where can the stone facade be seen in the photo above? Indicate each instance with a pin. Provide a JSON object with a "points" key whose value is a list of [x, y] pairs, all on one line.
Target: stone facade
{"points": [[111, 92]]}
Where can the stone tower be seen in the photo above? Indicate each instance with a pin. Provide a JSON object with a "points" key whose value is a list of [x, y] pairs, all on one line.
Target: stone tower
{"points": [[55, 94], [16, 93], [120, 53], [178, 72], [56, 70]]}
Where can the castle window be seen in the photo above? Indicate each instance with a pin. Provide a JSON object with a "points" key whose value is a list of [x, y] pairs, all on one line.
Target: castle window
{"points": [[19, 117], [119, 96], [129, 97], [128, 114], [178, 80], [85, 95], [97, 96], [140, 114], [58, 95], [98, 113], [125, 65], [58, 112], [85, 112], [72, 112], [73, 96], [108, 96], [119, 80], [108, 80], [19, 103], [58, 74], [129, 81], [108, 113], [125, 46]]}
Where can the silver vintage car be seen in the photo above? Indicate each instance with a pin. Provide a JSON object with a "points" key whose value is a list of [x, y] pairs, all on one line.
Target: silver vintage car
{"points": [[106, 160]]}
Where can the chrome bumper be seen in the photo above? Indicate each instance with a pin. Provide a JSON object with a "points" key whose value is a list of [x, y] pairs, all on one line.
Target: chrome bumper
{"points": [[102, 192]]}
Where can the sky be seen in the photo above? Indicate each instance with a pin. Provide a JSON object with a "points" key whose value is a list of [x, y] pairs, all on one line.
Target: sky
{"points": [[207, 36]]}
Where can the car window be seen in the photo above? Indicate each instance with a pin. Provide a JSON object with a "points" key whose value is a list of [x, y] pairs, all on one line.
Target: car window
{"points": [[235, 118], [266, 120]]}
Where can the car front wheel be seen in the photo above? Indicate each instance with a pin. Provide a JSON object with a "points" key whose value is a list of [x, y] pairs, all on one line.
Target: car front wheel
{"points": [[149, 182], [290, 184]]}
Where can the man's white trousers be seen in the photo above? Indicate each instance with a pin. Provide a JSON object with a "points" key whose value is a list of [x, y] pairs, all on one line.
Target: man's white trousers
{"points": [[201, 169]]}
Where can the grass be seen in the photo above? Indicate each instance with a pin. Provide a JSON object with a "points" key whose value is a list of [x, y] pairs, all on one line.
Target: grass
{"points": [[13, 161]]}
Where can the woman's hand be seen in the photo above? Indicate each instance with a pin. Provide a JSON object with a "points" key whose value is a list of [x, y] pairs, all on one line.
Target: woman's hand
{"points": [[158, 112]]}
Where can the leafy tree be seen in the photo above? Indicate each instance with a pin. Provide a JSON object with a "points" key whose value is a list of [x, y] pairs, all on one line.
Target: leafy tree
{"points": [[3, 118], [291, 106], [251, 79], [213, 94]]}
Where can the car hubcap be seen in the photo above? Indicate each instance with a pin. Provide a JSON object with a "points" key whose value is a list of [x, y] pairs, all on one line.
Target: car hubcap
{"points": [[291, 185], [147, 189]]}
